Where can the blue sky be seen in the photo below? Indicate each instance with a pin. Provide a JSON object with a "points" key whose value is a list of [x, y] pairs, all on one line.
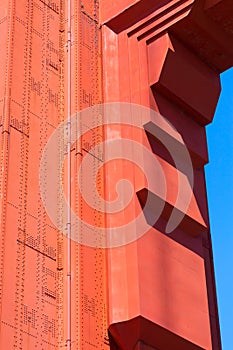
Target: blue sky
{"points": [[219, 173]]}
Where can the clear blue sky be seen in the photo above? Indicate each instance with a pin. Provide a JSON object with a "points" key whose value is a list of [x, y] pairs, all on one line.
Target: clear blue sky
{"points": [[219, 175]]}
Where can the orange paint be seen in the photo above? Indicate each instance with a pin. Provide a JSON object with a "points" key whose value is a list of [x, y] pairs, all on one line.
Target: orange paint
{"points": [[159, 291]]}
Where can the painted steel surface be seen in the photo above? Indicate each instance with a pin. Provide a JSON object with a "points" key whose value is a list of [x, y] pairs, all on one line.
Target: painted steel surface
{"points": [[157, 292]]}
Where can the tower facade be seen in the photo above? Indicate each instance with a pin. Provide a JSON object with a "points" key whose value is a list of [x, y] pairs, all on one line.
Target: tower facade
{"points": [[148, 72]]}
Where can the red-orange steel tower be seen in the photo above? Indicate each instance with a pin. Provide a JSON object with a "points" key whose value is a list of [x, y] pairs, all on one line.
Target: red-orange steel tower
{"points": [[58, 58]]}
